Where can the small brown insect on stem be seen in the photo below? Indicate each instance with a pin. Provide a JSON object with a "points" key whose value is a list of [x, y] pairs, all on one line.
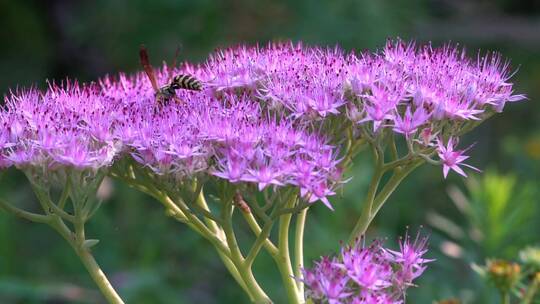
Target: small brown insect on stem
{"points": [[241, 203]]}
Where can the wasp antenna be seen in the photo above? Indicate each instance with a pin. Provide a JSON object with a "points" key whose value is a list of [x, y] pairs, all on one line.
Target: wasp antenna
{"points": [[172, 66], [176, 55]]}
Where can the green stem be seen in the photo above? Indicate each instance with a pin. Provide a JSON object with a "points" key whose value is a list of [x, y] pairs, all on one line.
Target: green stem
{"points": [[201, 207], [170, 207], [76, 243], [235, 274], [218, 231], [194, 223], [262, 237], [99, 277], [56, 210], [283, 259], [227, 214], [505, 297], [259, 296], [33, 217], [252, 222], [211, 222], [392, 184], [374, 203], [352, 150], [299, 250], [367, 206], [88, 261], [65, 195], [201, 201], [393, 148], [212, 232], [216, 236]]}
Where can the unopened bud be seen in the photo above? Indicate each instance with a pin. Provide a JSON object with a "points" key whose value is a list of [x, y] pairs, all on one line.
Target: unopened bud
{"points": [[504, 274]]}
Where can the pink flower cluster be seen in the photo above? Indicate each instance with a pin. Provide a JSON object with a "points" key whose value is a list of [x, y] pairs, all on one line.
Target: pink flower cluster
{"points": [[367, 275], [269, 116], [230, 137], [57, 128], [425, 94]]}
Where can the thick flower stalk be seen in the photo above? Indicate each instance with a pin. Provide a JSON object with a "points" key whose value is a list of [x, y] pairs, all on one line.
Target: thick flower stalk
{"points": [[367, 275], [271, 133]]}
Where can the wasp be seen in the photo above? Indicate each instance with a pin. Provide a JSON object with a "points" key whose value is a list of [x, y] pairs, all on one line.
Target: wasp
{"points": [[167, 92]]}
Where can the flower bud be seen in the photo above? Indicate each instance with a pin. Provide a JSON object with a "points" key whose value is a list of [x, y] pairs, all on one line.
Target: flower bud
{"points": [[504, 274]]}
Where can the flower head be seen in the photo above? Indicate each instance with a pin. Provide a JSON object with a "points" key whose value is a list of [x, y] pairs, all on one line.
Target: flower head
{"points": [[451, 158], [409, 258], [269, 116], [371, 274]]}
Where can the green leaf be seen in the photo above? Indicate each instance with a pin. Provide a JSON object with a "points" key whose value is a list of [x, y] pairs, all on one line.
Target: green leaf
{"points": [[87, 244]]}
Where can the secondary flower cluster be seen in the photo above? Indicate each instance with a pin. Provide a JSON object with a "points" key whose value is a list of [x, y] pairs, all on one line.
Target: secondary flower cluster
{"points": [[266, 115], [367, 275]]}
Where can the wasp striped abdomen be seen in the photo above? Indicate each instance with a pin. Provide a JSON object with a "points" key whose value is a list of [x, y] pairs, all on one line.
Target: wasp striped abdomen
{"points": [[187, 82]]}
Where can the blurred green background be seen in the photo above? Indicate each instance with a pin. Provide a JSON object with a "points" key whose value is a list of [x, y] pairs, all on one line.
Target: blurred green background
{"points": [[154, 259]]}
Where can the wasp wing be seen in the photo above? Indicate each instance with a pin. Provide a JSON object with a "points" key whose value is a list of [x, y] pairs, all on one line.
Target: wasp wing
{"points": [[145, 62]]}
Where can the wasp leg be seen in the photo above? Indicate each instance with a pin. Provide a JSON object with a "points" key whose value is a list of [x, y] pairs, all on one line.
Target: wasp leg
{"points": [[178, 100]]}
